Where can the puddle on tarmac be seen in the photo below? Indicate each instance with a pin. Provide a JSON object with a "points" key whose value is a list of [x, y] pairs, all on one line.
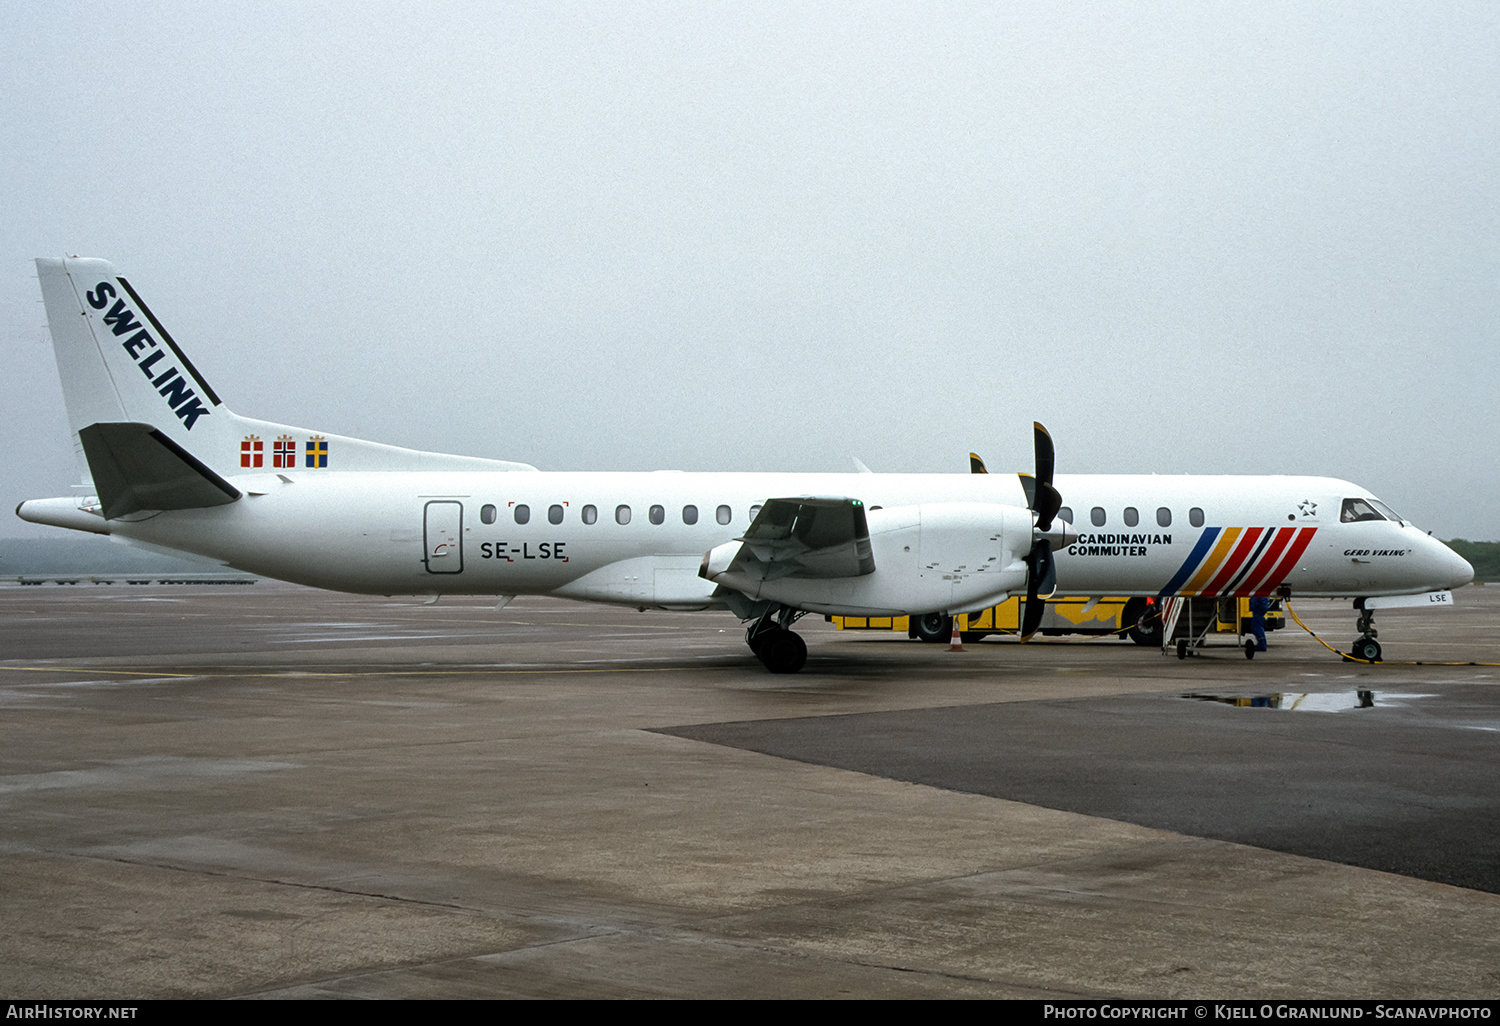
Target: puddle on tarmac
{"points": [[1311, 701]]}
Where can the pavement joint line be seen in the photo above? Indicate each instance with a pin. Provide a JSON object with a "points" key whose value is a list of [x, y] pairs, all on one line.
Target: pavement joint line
{"points": [[674, 934], [692, 935], [587, 933], [684, 926], [665, 933], [411, 966], [224, 874], [470, 670]]}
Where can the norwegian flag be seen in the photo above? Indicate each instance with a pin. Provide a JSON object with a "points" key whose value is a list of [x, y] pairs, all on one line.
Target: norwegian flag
{"points": [[252, 452], [284, 452]]}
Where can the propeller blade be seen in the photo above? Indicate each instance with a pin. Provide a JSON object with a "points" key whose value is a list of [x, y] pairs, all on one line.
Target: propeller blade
{"points": [[1028, 485], [1031, 619], [1048, 502], [1041, 582], [1046, 585], [1046, 455], [976, 465], [1044, 500]]}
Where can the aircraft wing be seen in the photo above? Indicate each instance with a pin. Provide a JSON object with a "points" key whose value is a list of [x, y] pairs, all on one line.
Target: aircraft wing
{"points": [[804, 537]]}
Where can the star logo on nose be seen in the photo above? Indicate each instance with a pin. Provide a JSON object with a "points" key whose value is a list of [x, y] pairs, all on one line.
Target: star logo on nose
{"points": [[1308, 507]]}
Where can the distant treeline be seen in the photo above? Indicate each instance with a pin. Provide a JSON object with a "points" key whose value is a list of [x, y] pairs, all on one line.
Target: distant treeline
{"points": [[1485, 557]]}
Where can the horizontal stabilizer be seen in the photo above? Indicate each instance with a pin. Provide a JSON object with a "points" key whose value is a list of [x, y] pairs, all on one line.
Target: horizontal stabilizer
{"points": [[135, 467]]}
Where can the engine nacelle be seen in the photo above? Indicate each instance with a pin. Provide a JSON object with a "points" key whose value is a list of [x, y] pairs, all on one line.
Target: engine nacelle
{"points": [[936, 557]]}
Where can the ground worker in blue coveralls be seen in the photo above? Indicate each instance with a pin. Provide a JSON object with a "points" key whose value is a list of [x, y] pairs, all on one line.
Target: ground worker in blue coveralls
{"points": [[1258, 607]]}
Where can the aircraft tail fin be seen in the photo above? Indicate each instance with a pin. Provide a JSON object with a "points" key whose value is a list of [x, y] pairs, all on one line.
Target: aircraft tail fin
{"points": [[116, 361], [145, 419]]}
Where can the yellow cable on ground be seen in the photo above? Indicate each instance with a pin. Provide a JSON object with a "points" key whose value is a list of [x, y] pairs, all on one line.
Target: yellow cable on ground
{"points": [[1287, 604]]}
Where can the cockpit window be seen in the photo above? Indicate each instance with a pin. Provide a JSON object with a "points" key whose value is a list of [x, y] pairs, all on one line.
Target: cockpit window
{"points": [[1359, 510], [1386, 511]]}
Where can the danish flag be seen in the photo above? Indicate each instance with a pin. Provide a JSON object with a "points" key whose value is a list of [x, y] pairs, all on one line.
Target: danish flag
{"points": [[252, 452]]}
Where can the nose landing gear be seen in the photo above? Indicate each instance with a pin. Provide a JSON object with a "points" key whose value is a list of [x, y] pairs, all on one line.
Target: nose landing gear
{"points": [[1365, 646]]}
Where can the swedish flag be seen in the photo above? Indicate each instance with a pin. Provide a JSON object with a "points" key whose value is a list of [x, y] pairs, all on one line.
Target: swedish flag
{"points": [[317, 451]]}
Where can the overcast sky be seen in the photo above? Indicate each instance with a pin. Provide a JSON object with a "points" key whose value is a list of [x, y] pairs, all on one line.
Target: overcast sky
{"points": [[1189, 238]]}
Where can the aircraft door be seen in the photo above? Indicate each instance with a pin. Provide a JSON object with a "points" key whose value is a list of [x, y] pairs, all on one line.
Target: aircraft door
{"points": [[443, 537]]}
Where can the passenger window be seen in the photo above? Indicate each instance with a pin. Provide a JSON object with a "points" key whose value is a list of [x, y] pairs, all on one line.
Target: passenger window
{"points": [[487, 514], [554, 514], [1096, 516], [1195, 516], [1066, 513], [657, 514], [722, 514], [622, 514], [523, 513], [690, 514], [754, 512], [590, 514], [1163, 517], [1132, 516]]}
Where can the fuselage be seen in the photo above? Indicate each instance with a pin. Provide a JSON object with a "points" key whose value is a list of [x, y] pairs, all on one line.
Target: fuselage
{"points": [[174, 468], [638, 538]]}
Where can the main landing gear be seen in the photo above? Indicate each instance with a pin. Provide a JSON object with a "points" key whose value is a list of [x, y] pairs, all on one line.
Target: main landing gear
{"points": [[1144, 617], [933, 627], [773, 642], [1365, 646]]}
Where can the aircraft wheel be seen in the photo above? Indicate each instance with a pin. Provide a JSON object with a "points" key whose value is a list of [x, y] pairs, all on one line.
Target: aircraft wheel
{"points": [[1250, 649], [1145, 622], [1367, 649], [934, 627], [783, 652], [758, 641]]}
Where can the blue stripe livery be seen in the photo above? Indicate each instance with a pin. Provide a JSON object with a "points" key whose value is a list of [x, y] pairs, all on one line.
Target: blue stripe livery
{"points": [[1205, 542]]}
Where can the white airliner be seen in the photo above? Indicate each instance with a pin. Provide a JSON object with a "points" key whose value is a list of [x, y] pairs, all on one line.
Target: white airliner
{"points": [[173, 468]]}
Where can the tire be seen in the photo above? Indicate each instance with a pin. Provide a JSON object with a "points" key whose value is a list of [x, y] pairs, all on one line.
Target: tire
{"points": [[1250, 650], [758, 641], [1367, 649], [1145, 622], [933, 627], [783, 652]]}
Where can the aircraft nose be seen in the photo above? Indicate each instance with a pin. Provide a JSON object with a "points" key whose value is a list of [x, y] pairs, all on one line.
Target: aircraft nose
{"points": [[1448, 566], [1461, 569]]}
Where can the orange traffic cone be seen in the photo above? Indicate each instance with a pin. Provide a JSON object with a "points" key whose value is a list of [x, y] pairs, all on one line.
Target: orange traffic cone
{"points": [[957, 643]]}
